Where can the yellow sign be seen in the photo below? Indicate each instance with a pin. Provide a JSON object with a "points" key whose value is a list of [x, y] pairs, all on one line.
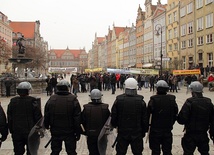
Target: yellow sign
{"points": [[186, 72], [144, 71], [93, 70]]}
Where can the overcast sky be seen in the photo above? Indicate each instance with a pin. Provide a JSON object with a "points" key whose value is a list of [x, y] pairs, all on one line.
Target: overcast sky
{"points": [[73, 23]]}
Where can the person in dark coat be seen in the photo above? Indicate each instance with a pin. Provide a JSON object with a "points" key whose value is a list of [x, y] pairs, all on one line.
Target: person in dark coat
{"points": [[128, 115], [94, 116], [162, 112], [197, 116], [3, 125], [62, 116], [113, 81], [23, 113], [49, 88], [8, 83]]}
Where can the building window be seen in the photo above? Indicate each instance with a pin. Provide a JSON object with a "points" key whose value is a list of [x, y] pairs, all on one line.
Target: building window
{"points": [[170, 47], [190, 27], [175, 46], [200, 24], [183, 30], [208, 1], [170, 34], [199, 4], [200, 56], [182, 12], [183, 44], [175, 16], [170, 18], [175, 32], [210, 59], [184, 62], [190, 43], [200, 40], [189, 8], [209, 38], [209, 20]]}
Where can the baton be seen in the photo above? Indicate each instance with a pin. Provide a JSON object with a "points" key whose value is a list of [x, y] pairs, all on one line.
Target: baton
{"points": [[115, 142], [48, 143]]}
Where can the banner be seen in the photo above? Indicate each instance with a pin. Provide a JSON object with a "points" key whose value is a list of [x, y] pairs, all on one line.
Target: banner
{"points": [[144, 71], [186, 72], [93, 70], [118, 71]]}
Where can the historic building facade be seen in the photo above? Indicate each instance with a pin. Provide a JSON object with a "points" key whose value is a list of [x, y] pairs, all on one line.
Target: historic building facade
{"points": [[5, 42]]}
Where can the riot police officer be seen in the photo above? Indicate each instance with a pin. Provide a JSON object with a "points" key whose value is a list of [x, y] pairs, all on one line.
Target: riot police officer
{"points": [[197, 116], [63, 116], [129, 117], [162, 113], [23, 113], [94, 116]]}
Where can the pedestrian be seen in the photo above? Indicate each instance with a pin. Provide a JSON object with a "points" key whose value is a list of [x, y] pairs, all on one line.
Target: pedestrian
{"points": [[94, 116], [197, 116], [162, 113], [23, 113], [75, 85], [128, 115], [53, 82], [62, 116], [3, 125], [8, 83], [113, 81], [49, 88]]}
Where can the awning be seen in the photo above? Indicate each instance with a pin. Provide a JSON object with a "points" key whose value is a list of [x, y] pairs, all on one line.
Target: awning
{"points": [[147, 65], [131, 65]]}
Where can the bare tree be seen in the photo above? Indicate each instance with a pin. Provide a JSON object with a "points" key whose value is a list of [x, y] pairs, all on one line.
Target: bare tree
{"points": [[5, 53]]}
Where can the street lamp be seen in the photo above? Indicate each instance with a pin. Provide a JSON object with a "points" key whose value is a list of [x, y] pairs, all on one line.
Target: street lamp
{"points": [[158, 31]]}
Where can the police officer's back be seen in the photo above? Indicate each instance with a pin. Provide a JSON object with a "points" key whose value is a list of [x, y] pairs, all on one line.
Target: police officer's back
{"points": [[62, 116], [197, 116], [129, 117], [94, 116], [23, 113], [162, 113]]}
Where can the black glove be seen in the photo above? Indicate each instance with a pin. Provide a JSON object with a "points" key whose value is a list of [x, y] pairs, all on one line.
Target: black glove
{"points": [[212, 138], [77, 136], [3, 138]]}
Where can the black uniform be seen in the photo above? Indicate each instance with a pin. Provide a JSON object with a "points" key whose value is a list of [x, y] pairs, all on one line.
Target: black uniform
{"points": [[63, 115], [94, 116], [129, 116], [162, 113], [3, 125], [23, 113], [197, 116]]}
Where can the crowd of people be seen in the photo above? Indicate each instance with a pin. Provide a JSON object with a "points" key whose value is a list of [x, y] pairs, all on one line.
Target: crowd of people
{"points": [[81, 83], [130, 115]]}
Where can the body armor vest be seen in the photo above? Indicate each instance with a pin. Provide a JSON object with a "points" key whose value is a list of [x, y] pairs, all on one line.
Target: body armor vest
{"points": [[129, 112], [61, 111], [163, 112], [22, 114], [96, 116], [201, 109]]}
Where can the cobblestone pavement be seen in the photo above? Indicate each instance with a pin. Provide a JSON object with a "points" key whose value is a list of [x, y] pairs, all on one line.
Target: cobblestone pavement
{"points": [[181, 96]]}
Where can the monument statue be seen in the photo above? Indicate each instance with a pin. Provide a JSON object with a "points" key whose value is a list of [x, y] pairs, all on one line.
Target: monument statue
{"points": [[20, 44]]}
